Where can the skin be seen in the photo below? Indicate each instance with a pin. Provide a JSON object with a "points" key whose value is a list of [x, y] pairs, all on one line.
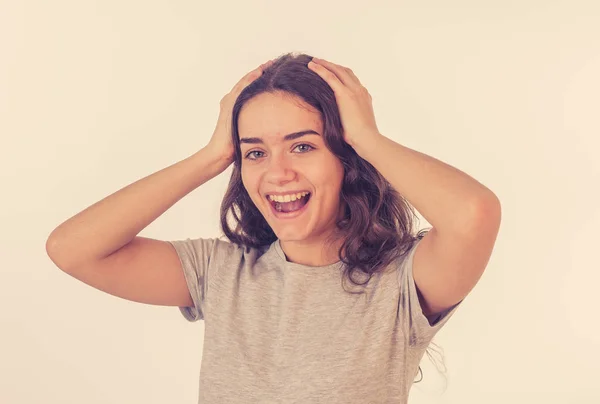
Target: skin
{"points": [[304, 163]]}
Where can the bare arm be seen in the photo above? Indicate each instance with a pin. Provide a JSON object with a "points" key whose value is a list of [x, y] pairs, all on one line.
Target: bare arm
{"points": [[100, 247], [114, 221]]}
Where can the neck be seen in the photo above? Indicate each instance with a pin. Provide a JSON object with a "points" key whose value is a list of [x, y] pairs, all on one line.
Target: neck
{"points": [[314, 252]]}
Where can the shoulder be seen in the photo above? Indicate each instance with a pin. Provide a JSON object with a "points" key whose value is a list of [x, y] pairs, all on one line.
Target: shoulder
{"points": [[224, 249], [403, 254]]}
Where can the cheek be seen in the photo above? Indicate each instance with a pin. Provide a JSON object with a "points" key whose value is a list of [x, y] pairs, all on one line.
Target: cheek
{"points": [[329, 180], [327, 173], [247, 182], [336, 174], [244, 181], [247, 176], [250, 183]]}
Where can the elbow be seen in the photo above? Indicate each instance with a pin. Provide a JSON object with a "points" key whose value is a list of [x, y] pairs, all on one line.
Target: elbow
{"points": [[53, 250], [486, 214]]}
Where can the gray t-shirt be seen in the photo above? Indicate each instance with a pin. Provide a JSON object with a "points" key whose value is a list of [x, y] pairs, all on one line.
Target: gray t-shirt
{"points": [[281, 332]]}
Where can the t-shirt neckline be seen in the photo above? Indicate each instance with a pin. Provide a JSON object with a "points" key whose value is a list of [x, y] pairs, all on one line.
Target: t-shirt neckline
{"points": [[289, 264]]}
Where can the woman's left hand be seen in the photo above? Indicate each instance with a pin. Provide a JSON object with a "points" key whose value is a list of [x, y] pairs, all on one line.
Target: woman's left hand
{"points": [[353, 99]]}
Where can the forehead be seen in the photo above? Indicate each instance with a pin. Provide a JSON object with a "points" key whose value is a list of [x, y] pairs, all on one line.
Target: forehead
{"points": [[272, 116]]}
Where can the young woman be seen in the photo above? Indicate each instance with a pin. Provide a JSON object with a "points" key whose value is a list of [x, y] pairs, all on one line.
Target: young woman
{"points": [[323, 292]]}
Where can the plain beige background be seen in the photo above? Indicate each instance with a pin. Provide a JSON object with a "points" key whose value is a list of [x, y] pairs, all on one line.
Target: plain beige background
{"points": [[97, 94]]}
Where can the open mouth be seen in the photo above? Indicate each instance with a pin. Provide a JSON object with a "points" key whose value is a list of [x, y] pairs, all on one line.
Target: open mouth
{"points": [[288, 206]]}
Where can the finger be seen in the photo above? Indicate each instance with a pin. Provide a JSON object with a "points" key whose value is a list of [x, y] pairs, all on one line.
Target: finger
{"points": [[259, 70], [351, 73], [330, 78], [266, 65], [345, 74], [252, 75]]}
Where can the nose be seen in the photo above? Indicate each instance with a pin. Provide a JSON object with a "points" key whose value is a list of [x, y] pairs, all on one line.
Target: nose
{"points": [[280, 169]]}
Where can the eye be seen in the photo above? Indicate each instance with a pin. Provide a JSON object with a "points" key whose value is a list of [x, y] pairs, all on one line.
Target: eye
{"points": [[309, 147], [251, 153], [253, 156]]}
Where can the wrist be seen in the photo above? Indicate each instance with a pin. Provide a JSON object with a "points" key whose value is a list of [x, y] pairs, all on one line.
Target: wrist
{"points": [[218, 153], [216, 160], [370, 143]]}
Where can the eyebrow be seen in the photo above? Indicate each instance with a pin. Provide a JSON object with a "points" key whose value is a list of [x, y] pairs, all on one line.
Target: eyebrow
{"points": [[286, 138]]}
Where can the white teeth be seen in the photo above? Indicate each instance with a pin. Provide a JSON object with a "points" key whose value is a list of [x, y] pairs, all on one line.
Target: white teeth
{"points": [[287, 198]]}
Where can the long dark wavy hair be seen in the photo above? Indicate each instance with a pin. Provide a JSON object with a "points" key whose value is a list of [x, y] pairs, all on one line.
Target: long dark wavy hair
{"points": [[377, 224]]}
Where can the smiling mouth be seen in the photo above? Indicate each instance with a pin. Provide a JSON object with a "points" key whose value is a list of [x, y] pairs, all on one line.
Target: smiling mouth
{"points": [[291, 206]]}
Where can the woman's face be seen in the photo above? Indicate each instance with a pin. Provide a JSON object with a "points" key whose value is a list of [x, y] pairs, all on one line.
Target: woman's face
{"points": [[275, 165]]}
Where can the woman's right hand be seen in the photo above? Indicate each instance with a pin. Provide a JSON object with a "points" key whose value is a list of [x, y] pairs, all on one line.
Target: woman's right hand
{"points": [[221, 142]]}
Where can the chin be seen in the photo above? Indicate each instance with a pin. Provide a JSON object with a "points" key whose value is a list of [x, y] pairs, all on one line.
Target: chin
{"points": [[288, 233]]}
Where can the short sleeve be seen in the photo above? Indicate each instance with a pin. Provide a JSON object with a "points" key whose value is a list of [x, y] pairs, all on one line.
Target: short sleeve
{"points": [[195, 256], [417, 327]]}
